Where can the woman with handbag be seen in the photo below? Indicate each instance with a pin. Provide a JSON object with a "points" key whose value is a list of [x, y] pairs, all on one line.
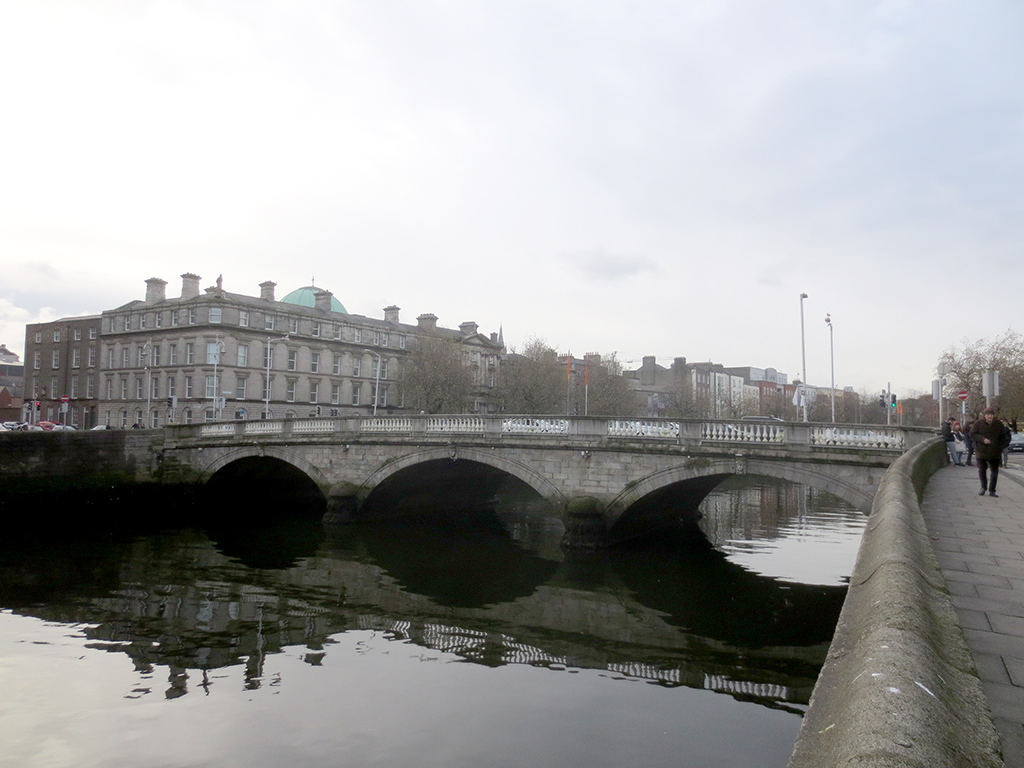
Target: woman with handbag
{"points": [[958, 446]]}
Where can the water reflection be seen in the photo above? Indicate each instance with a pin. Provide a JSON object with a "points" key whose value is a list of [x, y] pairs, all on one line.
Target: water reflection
{"points": [[199, 603]]}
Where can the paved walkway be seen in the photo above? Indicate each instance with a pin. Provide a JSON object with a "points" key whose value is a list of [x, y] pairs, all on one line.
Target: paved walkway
{"points": [[979, 542]]}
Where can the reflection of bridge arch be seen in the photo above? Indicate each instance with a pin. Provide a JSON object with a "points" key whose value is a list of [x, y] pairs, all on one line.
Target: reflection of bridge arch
{"points": [[293, 458], [805, 474], [497, 459]]}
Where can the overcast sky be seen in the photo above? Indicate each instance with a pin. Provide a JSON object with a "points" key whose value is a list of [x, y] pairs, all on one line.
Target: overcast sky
{"points": [[645, 178]]}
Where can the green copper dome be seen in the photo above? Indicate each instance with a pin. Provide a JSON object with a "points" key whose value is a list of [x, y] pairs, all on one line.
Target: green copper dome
{"points": [[304, 297]]}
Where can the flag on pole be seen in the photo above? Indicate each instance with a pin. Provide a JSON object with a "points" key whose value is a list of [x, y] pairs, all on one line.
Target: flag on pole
{"points": [[568, 365]]}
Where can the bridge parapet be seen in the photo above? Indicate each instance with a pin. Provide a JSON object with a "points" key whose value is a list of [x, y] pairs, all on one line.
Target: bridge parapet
{"points": [[667, 431]]}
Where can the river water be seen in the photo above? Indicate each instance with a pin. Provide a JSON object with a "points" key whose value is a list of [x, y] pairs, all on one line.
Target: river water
{"points": [[476, 642]]}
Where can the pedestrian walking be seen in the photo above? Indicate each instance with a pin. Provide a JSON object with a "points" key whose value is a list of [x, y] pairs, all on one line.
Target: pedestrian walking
{"points": [[947, 435], [988, 444], [958, 447]]}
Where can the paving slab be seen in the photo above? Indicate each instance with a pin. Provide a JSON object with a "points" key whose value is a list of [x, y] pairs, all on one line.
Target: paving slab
{"points": [[979, 541]]}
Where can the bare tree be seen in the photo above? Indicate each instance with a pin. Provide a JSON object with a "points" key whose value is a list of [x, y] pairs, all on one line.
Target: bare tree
{"points": [[434, 377], [605, 391], [531, 380], [967, 364]]}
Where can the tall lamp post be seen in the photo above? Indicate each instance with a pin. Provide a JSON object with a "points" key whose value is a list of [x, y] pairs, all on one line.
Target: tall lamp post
{"points": [[376, 385], [803, 358], [218, 351], [832, 363], [268, 354], [149, 383]]}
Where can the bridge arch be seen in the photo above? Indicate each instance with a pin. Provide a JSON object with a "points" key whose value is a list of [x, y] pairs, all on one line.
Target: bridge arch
{"points": [[496, 459], [859, 497], [229, 456]]}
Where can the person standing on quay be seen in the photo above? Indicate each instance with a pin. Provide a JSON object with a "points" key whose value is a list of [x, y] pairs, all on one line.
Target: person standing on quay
{"points": [[988, 444]]}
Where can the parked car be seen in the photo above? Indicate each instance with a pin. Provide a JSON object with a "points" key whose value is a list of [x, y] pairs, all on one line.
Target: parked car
{"points": [[102, 426], [1017, 442], [15, 425], [64, 428]]}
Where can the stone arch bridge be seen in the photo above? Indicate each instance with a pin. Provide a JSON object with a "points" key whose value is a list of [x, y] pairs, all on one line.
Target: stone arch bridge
{"points": [[609, 479]]}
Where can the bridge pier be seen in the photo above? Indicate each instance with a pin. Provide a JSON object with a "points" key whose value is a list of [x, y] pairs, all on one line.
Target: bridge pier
{"points": [[585, 524], [342, 503]]}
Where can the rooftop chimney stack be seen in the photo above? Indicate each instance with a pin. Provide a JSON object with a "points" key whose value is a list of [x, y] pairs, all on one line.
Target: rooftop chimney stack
{"points": [[156, 290], [469, 328], [267, 290], [427, 322], [322, 300], [391, 313], [189, 285]]}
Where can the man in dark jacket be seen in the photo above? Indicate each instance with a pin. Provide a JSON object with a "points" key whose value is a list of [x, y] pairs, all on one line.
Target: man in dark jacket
{"points": [[988, 445]]}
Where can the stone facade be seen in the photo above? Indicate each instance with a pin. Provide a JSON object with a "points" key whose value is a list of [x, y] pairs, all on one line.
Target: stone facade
{"points": [[62, 358]]}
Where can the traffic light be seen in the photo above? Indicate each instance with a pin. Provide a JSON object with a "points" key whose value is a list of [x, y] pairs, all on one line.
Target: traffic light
{"points": [[170, 402], [39, 406], [881, 400], [892, 400]]}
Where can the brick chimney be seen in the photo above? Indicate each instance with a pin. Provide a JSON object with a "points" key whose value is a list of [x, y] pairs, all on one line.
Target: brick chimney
{"points": [[427, 322], [468, 328], [322, 300], [156, 290], [267, 290], [391, 313], [189, 285]]}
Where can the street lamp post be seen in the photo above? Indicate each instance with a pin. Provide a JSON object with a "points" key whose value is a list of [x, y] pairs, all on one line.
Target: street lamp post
{"points": [[267, 353], [216, 382], [803, 358], [832, 363], [149, 382], [376, 385]]}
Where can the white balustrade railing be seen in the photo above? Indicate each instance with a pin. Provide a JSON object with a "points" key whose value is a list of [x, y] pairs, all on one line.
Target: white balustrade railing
{"points": [[524, 425], [400, 424], [859, 437], [312, 426], [460, 424], [743, 432], [263, 427], [222, 429], [643, 428]]}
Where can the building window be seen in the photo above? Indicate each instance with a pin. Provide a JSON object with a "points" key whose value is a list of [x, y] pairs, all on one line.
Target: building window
{"points": [[266, 388], [188, 387], [314, 391], [240, 388], [293, 356], [268, 356], [314, 362], [77, 334], [336, 366], [215, 314], [187, 415], [110, 388], [125, 358], [92, 333], [156, 355], [316, 329], [124, 419], [191, 315], [383, 339], [293, 325], [154, 387], [74, 386], [35, 360], [190, 353], [212, 352], [382, 396], [289, 394], [337, 333], [53, 386], [268, 322], [172, 386], [55, 359], [138, 387], [56, 335], [357, 335], [376, 338], [154, 421], [172, 354], [335, 394], [76, 358], [39, 337], [127, 322], [211, 386], [355, 394], [92, 357], [142, 321], [401, 342], [174, 317], [243, 355], [357, 363], [159, 320], [90, 392], [243, 318], [140, 356]]}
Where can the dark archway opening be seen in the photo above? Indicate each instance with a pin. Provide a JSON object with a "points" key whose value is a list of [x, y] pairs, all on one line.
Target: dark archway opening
{"points": [[264, 512], [674, 507]]}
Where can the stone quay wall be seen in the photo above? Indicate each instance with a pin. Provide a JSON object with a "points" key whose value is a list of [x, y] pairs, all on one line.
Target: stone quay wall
{"points": [[899, 686]]}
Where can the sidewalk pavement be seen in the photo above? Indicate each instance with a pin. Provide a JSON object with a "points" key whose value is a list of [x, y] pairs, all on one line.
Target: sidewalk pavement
{"points": [[979, 543]]}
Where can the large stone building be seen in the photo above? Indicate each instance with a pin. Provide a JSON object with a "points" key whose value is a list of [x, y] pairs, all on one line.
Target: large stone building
{"points": [[210, 355], [62, 360]]}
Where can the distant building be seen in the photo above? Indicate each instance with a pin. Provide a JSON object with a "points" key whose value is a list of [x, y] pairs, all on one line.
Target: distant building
{"points": [[62, 360], [211, 354], [12, 385]]}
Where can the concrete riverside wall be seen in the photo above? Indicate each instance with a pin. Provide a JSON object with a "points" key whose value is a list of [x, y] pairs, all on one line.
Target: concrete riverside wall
{"points": [[899, 686]]}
